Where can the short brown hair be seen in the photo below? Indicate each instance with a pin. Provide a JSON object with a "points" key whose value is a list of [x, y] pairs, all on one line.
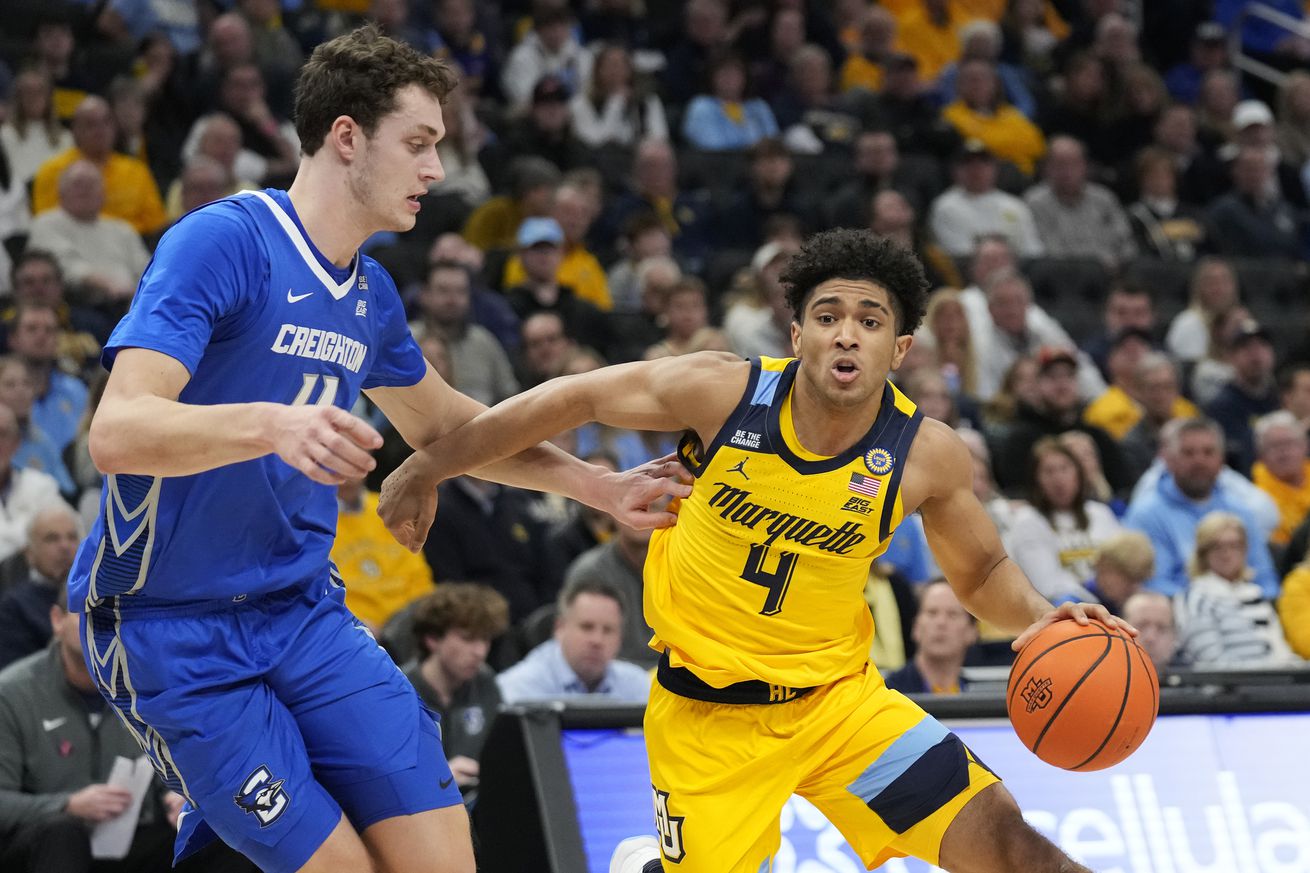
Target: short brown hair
{"points": [[359, 74], [466, 606]]}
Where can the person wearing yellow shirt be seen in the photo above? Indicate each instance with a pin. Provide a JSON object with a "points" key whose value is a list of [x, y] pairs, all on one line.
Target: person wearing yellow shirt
{"points": [[929, 31], [130, 191], [495, 224], [1283, 471], [1117, 410], [863, 66], [980, 113], [575, 210], [382, 576]]}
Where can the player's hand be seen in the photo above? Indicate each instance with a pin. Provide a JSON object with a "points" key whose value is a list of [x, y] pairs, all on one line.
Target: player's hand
{"points": [[464, 769], [97, 803], [407, 504], [636, 497], [327, 444], [1082, 613]]}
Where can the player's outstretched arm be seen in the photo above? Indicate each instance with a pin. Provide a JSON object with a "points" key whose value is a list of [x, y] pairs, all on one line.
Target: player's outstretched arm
{"points": [[140, 427], [939, 482], [504, 443]]}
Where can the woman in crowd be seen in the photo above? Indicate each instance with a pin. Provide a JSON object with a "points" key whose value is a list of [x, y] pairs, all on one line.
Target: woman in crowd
{"points": [[725, 119], [613, 109], [32, 134], [949, 325]]}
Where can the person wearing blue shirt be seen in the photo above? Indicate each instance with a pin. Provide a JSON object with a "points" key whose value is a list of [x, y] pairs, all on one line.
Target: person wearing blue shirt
{"points": [[580, 659], [213, 620], [723, 120], [1169, 511]]}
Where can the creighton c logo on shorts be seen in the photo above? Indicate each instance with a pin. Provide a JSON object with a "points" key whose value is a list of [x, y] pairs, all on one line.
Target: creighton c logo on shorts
{"points": [[262, 795], [879, 461], [669, 827]]}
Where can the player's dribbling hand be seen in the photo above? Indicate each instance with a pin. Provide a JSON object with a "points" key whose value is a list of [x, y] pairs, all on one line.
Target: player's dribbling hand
{"points": [[327, 444], [637, 497], [407, 505], [1079, 612]]}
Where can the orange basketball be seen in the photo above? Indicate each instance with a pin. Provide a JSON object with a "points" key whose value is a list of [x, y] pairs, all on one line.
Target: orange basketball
{"points": [[1082, 697]]}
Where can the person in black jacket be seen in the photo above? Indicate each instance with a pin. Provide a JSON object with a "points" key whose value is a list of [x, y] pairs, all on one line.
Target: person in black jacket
{"points": [[943, 633]]}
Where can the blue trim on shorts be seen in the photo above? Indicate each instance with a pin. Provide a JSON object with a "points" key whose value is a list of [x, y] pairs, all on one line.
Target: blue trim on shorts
{"points": [[898, 758]]}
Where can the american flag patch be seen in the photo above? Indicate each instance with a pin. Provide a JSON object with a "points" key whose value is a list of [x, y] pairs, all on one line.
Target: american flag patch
{"points": [[866, 485]]}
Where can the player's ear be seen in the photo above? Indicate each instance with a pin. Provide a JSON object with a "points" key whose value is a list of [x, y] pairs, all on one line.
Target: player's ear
{"points": [[344, 136], [795, 338], [903, 344]]}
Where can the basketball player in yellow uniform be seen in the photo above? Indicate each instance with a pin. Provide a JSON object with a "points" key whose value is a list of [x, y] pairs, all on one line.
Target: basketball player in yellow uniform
{"points": [[803, 468]]}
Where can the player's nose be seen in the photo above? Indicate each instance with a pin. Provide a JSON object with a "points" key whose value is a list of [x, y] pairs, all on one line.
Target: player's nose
{"points": [[433, 171]]}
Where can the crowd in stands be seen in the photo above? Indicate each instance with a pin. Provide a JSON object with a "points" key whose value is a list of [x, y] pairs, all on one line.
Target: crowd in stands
{"points": [[1114, 221]]}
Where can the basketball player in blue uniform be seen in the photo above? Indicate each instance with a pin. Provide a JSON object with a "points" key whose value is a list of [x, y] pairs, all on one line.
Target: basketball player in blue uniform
{"points": [[212, 617]]}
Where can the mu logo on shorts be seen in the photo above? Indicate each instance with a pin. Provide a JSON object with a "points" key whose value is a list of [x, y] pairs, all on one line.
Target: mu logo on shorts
{"points": [[263, 796], [1036, 694], [669, 827]]}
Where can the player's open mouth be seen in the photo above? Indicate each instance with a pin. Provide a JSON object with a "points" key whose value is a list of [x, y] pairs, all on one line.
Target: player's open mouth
{"points": [[414, 202], [845, 371]]}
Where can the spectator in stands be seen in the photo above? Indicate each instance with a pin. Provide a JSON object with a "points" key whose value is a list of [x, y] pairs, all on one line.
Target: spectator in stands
{"points": [[574, 209], [101, 253], [863, 67], [127, 100], [931, 394], [687, 322], [130, 190], [1283, 471], [229, 43], [37, 279], [615, 109], [973, 207], [36, 449], [1152, 614], [999, 509], [815, 118], [685, 214], [1209, 51], [757, 319], [1253, 220], [948, 323], [644, 236], [1120, 568], [1251, 392], [1212, 290], [1083, 107], [980, 112], [60, 398], [458, 40], [580, 659], [929, 30], [392, 17], [532, 182], [1168, 508], [1054, 540], [482, 370], [545, 348], [981, 39], [1292, 133], [55, 52], [543, 130], [549, 49], [878, 166], [127, 22], [618, 563], [1128, 306], [908, 110], [1220, 92], [53, 536], [58, 742], [1253, 127], [460, 150], [203, 180], [218, 136], [243, 96], [725, 118], [1057, 409], [993, 253], [1117, 410], [1089, 459], [23, 492], [1155, 391], [1163, 226], [381, 576], [892, 217], [705, 33], [1076, 217], [943, 632], [772, 189], [541, 248], [1224, 617], [454, 627], [31, 134], [1294, 609], [1294, 392], [1200, 173]]}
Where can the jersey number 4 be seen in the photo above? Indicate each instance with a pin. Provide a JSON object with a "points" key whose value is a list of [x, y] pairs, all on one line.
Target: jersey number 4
{"points": [[776, 580], [326, 397]]}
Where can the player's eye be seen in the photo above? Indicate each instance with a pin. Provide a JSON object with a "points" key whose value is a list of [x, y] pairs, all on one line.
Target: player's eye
{"points": [[870, 323]]}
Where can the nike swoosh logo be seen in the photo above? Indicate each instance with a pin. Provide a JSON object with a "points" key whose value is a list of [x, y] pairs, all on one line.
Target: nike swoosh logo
{"points": [[445, 783], [296, 298], [49, 724]]}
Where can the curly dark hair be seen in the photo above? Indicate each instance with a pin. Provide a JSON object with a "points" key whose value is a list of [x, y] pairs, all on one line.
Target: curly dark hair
{"points": [[862, 256], [359, 74]]}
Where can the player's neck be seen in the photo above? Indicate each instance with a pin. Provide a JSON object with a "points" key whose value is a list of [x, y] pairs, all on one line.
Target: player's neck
{"points": [[824, 428], [335, 231]]}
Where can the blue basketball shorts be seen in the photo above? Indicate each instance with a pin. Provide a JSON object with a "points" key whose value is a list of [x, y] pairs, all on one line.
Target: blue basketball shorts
{"points": [[272, 716]]}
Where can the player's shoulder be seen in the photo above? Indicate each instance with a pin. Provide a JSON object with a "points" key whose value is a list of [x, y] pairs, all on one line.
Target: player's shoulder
{"points": [[938, 458], [215, 224]]}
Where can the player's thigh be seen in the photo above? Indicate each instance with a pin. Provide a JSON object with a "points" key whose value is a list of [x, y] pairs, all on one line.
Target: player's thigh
{"points": [[371, 741], [341, 851], [187, 689], [894, 782], [719, 783], [435, 841]]}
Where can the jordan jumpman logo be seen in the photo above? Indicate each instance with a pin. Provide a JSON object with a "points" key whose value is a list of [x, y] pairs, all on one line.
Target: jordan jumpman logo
{"points": [[740, 468]]}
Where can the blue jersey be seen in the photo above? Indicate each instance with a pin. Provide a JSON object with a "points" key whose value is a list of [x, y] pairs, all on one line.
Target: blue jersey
{"points": [[239, 295]]}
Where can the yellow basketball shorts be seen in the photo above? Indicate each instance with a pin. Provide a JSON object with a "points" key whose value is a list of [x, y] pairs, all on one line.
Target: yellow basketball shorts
{"points": [[889, 776]]}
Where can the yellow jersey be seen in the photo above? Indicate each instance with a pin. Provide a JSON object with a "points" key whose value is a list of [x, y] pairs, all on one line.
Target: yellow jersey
{"points": [[763, 576]]}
